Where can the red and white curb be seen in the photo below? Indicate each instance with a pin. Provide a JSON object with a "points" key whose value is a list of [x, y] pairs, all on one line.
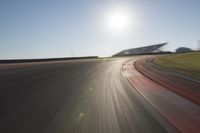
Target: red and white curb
{"points": [[180, 112]]}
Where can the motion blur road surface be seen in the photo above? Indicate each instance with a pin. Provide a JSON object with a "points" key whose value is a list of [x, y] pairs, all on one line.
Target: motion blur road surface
{"points": [[89, 96]]}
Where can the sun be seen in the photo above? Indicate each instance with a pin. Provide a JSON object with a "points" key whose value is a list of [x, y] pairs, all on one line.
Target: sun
{"points": [[117, 21]]}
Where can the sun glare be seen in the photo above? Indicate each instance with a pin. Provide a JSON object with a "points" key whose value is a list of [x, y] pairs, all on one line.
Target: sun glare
{"points": [[117, 21]]}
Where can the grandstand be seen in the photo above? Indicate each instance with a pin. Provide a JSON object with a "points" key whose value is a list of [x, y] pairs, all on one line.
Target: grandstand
{"points": [[141, 50]]}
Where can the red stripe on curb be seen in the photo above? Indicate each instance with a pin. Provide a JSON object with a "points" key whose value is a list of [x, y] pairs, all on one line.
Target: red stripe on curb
{"points": [[183, 114], [181, 86]]}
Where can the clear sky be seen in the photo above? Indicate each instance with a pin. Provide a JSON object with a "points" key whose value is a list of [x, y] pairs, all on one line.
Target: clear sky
{"points": [[46, 28]]}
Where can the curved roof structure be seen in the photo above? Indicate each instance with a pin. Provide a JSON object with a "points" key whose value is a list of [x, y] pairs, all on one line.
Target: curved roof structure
{"points": [[141, 50]]}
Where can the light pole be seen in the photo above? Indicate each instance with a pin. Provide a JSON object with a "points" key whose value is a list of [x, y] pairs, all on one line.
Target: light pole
{"points": [[198, 43]]}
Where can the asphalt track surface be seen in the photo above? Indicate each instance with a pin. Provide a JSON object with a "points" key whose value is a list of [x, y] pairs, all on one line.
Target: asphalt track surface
{"points": [[89, 96]]}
